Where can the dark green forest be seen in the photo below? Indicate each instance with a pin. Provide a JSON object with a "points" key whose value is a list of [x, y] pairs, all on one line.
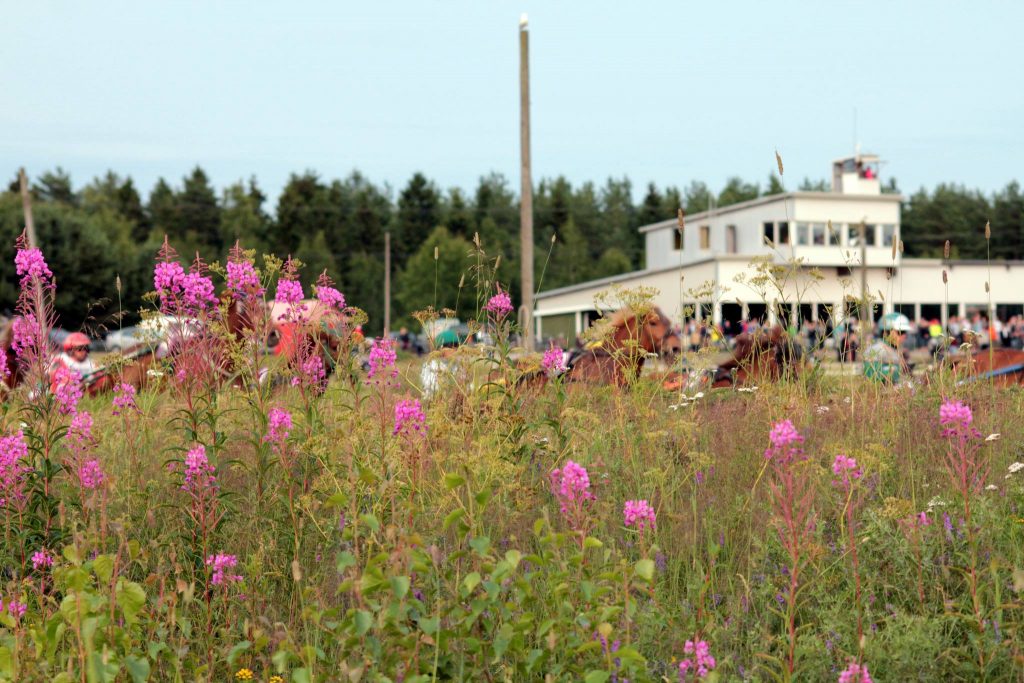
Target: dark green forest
{"points": [[94, 235]]}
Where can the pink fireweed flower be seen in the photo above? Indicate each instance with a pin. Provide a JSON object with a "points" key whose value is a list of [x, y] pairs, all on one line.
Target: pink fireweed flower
{"points": [[845, 468], [79, 437], [14, 608], [42, 559], [785, 442], [26, 333], [243, 281], [639, 514], [327, 294], [13, 468], [699, 660], [289, 292], [124, 399], [955, 413], [571, 484], [219, 565], [200, 475], [956, 418], [499, 305], [553, 361], [4, 372], [279, 425], [168, 278], [90, 475], [922, 519], [409, 418], [311, 372], [67, 389], [31, 266], [382, 358], [855, 673], [197, 294]]}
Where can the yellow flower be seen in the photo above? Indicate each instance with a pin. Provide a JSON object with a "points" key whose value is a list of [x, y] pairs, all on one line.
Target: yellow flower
{"points": [[244, 675], [276, 679]]}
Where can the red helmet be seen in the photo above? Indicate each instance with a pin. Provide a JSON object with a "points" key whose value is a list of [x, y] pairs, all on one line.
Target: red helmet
{"points": [[75, 339]]}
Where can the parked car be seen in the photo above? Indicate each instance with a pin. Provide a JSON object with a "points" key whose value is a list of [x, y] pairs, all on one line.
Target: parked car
{"points": [[125, 338]]}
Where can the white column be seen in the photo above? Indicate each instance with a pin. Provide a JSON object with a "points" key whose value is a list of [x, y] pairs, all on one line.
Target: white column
{"points": [[577, 324]]}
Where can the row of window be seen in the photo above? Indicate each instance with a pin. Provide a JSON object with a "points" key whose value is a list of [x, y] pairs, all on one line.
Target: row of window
{"points": [[807, 234]]}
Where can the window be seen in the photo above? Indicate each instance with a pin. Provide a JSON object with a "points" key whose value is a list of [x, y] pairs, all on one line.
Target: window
{"points": [[730, 239], [833, 234], [888, 235], [769, 233], [869, 235], [853, 235], [783, 232], [803, 234], [705, 237], [818, 231], [677, 238]]}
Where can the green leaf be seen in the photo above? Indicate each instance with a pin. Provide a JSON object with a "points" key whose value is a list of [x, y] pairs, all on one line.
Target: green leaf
{"points": [[430, 625], [452, 517], [131, 598], [339, 499], [70, 554], [104, 568], [483, 497], [400, 585], [344, 560], [138, 668], [370, 521], [591, 542], [364, 620], [596, 677], [513, 557], [471, 582], [6, 663], [480, 544], [645, 569], [301, 676], [453, 481], [237, 650]]}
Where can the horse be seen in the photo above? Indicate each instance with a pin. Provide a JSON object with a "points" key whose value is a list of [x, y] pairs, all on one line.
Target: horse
{"points": [[1005, 367], [619, 358], [323, 332], [760, 356]]}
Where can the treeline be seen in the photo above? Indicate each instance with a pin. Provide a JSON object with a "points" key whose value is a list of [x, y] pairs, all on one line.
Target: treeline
{"points": [[105, 232]]}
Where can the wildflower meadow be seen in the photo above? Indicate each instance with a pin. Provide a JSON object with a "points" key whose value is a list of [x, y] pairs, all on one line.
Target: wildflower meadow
{"points": [[326, 516]]}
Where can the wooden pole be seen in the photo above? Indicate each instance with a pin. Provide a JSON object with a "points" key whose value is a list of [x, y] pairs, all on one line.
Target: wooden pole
{"points": [[26, 203], [387, 282], [526, 187]]}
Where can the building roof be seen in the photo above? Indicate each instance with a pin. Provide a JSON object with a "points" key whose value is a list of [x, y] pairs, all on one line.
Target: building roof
{"points": [[770, 199]]}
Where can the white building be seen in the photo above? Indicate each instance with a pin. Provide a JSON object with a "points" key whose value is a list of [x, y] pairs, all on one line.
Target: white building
{"points": [[813, 242]]}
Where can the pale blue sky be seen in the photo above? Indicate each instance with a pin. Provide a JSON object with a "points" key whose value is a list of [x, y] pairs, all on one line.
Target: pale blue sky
{"points": [[667, 91]]}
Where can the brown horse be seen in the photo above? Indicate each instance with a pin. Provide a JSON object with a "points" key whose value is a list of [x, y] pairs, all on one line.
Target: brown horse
{"points": [[761, 356], [1004, 367], [618, 358]]}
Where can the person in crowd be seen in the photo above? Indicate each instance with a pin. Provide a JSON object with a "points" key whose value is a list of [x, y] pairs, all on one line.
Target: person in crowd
{"points": [[75, 357], [887, 359]]}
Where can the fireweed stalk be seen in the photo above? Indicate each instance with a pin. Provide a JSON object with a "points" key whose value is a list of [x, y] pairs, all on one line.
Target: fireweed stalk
{"points": [[847, 480], [571, 488], [793, 495], [967, 471], [193, 339]]}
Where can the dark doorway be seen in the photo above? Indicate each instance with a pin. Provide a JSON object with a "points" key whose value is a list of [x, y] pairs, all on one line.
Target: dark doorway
{"points": [[732, 317]]}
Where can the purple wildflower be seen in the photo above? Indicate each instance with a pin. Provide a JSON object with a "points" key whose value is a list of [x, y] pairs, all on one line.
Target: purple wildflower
{"points": [[67, 389], [499, 305], [124, 398], [845, 468], [31, 266], [199, 473], [639, 514], [90, 475], [279, 424], [409, 418], [219, 564], [243, 281], [700, 660], [785, 442], [42, 559], [382, 358], [855, 673], [327, 294], [13, 454], [553, 361]]}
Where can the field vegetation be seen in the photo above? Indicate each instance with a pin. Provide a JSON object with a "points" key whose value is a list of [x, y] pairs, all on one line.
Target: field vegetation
{"points": [[358, 529]]}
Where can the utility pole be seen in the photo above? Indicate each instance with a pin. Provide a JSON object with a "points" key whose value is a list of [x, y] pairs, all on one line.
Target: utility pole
{"points": [[387, 282], [526, 190], [26, 203], [865, 326]]}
